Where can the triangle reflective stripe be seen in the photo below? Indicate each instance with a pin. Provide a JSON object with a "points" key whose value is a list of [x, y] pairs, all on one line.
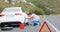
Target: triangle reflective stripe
{"points": [[45, 28]]}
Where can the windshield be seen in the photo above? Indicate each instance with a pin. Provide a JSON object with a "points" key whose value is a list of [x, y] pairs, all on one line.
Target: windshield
{"points": [[11, 10]]}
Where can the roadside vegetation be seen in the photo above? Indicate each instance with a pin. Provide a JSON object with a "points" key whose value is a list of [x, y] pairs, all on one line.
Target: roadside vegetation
{"points": [[40, 7], [49, 6]]}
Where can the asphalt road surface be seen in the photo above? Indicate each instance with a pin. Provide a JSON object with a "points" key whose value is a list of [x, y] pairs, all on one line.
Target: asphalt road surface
{"points": [[52, 21]]}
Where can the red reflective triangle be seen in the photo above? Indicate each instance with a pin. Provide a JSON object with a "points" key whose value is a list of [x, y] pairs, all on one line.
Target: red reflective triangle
{"points": [[45, 28]]}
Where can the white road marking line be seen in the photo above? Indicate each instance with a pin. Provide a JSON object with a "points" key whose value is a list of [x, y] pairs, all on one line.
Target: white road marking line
{"points": [[52, 26]]}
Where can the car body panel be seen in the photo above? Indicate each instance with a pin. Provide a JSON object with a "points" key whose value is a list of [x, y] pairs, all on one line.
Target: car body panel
{"points": [[10, 15]]}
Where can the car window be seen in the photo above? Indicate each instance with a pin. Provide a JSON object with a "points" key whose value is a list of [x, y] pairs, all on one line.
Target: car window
{"points": [[11, 10]]}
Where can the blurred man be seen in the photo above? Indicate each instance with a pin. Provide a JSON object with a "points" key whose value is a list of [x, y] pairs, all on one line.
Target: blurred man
{"points": [[34, 18]]}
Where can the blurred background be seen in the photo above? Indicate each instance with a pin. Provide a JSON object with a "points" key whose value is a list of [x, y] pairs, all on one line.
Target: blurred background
{"points": [[40, 7]]}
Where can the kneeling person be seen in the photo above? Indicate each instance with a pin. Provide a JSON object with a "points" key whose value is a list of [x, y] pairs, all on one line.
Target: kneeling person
{"points": [[34, 18]]}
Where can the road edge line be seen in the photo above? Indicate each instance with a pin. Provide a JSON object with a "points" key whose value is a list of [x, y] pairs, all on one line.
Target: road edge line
{"points": [[52, 26]]}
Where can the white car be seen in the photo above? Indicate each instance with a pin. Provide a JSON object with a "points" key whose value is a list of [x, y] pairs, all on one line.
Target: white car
{"points": [[13, 16]]}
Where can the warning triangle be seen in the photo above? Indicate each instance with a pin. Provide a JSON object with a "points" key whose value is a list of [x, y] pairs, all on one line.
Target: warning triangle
{"points": [[45, 28]]}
